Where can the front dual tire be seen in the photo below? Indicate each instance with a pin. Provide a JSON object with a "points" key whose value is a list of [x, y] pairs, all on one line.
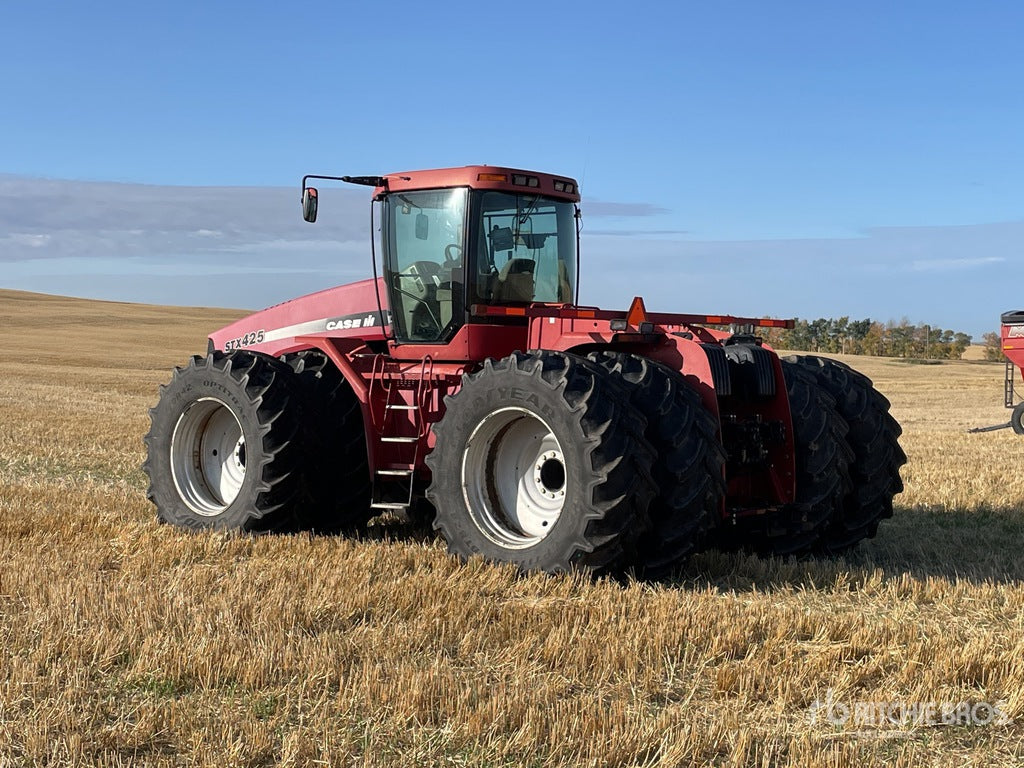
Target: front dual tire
{"points": [[224, 449]]}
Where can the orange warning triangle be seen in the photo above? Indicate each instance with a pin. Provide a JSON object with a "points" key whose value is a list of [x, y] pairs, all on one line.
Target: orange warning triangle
{"points": [[637, 312]]}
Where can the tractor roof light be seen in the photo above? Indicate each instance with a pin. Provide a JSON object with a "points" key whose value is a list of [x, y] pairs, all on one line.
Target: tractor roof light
{"points": [[522, 180]]}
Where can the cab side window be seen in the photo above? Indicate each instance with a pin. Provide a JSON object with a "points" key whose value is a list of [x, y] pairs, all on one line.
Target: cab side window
{"points": [[526, 250], [424, 270]]}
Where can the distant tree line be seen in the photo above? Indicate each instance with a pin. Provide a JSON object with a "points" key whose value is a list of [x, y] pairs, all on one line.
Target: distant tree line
{"points": [[869, 337], [993, 346]]}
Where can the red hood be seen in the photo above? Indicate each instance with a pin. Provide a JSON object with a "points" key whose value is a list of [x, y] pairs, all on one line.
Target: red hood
{"points": [[344, 311]]}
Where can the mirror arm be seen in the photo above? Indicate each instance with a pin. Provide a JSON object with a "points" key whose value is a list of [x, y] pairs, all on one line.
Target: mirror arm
{"points": [[366, 181]]}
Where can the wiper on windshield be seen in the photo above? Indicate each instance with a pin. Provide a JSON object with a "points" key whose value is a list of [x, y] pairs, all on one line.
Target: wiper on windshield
{"points": [[533, 206], [522, 218]]}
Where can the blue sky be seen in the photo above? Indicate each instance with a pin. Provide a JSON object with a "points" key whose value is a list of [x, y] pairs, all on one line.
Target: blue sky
{"points": [[798, 158]]}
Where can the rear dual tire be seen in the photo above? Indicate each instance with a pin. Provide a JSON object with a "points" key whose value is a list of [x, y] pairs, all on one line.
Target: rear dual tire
{"points": [[876, 456], [540, 461], [689, 465], [821, 457], [848, 461]]}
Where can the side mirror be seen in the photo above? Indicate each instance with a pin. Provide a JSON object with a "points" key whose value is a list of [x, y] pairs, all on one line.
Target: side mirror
{"points": [[309, 198], [422, 226]]}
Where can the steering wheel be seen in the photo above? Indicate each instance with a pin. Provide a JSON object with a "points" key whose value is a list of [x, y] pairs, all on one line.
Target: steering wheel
{"points": [[448, 257]]}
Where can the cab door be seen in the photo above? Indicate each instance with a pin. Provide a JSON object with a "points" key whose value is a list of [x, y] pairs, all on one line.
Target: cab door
{"points": [[424, 244]]}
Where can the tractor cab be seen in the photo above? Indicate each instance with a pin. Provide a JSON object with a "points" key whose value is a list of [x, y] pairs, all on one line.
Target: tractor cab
{"points": [[458, 240]]}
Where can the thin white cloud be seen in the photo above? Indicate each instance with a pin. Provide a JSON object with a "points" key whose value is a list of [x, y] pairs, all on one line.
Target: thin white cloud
{"points": [[245, 246], [954, 265], [24, 239], [65, 267], [594, 207], [45, 218]]}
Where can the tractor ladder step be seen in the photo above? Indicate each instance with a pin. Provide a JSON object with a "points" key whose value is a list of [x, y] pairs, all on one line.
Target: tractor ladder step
{"points": [[402, 425], [391, 473]]}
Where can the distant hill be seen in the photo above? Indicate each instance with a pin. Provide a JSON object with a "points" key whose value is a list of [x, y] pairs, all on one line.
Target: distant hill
{"points": [[107, 334], [974, 352]]}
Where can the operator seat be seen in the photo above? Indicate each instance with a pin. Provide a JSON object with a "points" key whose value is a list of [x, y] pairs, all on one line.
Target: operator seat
{"points": [[515, 281]]}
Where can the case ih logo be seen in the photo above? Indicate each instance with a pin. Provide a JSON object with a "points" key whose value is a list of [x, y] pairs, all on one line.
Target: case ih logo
{"points": [[1016, 332], [349, 322]]}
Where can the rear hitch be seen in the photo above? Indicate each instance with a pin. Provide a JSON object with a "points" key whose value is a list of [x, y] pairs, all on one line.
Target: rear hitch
{"points": [[1007, 425]]}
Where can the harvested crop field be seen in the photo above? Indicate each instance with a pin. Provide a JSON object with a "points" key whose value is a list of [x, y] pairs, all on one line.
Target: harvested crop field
{"points": [[126, 642]]}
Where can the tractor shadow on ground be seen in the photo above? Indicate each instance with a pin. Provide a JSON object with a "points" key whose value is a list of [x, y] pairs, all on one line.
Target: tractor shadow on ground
{"points": [[396, 526], [978, 546]]}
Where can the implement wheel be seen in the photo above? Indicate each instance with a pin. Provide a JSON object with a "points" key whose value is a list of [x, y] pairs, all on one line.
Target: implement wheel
{"points": [[1017, 418]]}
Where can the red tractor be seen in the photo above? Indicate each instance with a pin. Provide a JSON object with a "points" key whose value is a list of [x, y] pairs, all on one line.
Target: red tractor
{"points": [[466, 382]]}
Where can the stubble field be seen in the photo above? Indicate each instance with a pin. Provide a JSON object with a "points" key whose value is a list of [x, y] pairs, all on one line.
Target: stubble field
{"points": [[126, 642]]}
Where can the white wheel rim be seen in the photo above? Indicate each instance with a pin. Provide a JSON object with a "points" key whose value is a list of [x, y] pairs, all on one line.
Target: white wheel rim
{"points": [[208, 456], [514, 478]]}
